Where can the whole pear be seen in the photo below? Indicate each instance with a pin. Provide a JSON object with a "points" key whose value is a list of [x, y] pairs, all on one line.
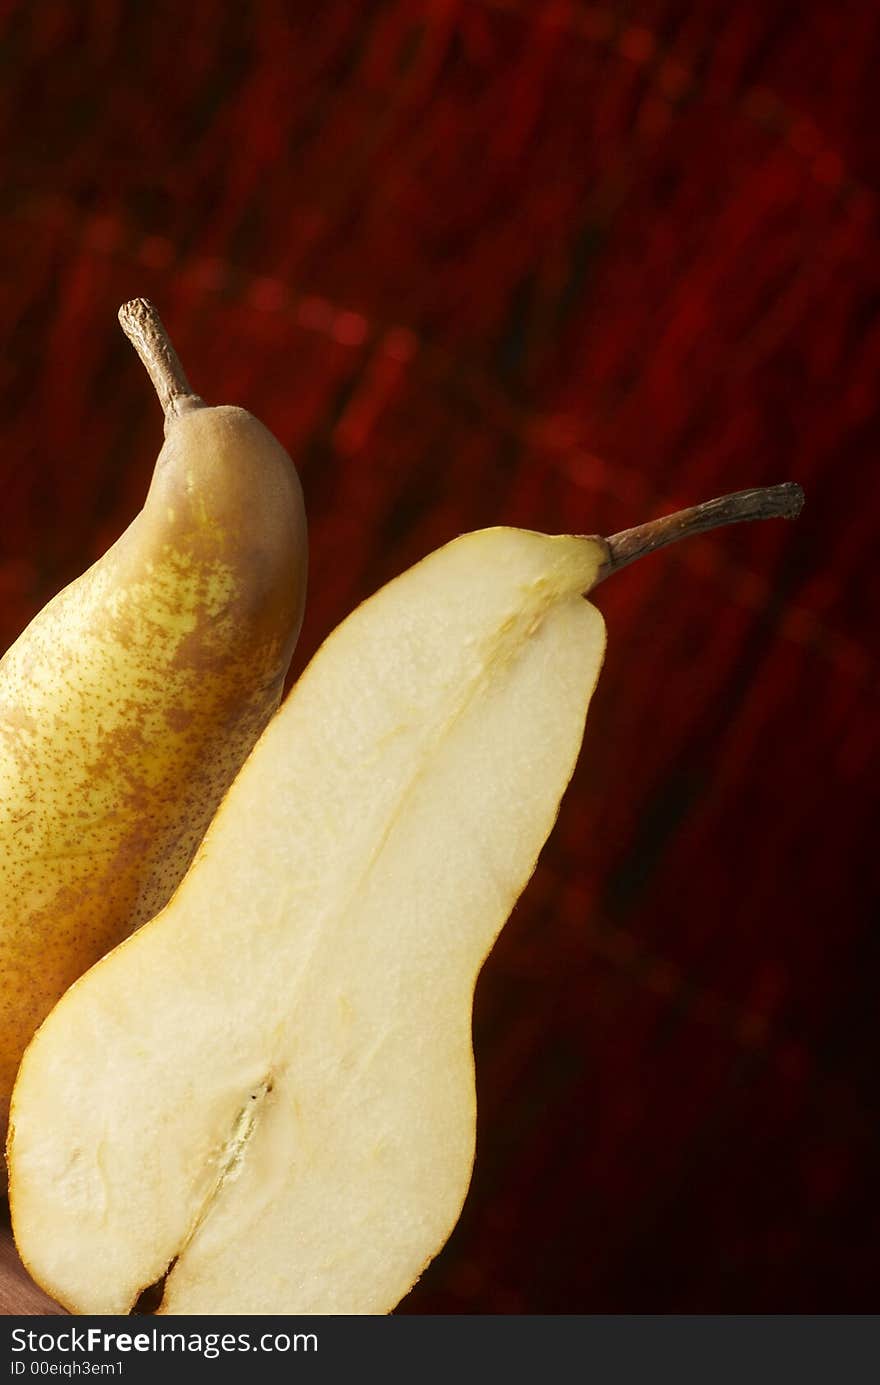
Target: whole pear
{"points": [[130, 701]]}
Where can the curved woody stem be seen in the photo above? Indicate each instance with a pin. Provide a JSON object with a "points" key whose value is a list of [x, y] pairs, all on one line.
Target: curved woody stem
{"points": [[767, 502], [145, 330]]}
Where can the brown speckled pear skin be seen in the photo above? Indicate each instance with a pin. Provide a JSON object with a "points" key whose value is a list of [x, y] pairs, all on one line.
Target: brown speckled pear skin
{"points": [[130, 702]]}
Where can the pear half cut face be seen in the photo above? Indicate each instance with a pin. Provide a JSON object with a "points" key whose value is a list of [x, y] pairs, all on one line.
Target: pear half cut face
{"points": [[268, 1092]]}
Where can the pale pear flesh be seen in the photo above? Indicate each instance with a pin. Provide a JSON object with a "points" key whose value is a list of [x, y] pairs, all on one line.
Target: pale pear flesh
{"points": [[129, 703], [269, 1089]]}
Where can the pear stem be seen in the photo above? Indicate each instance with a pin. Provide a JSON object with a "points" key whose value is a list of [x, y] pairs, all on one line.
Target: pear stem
{"points": [[767, 502], [145, 330]]}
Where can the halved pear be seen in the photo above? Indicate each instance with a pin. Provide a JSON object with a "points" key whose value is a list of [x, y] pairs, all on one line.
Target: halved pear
{"points": [[270, 1086], [268, 1092]]}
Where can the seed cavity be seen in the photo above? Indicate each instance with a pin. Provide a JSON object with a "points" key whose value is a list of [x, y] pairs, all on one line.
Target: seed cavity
{"points": [[233, 1152], [229, 1163]]}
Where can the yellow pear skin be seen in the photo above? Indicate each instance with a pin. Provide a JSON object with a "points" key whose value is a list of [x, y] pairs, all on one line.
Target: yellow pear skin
{"points": [[129, 703], [266, 1095]]}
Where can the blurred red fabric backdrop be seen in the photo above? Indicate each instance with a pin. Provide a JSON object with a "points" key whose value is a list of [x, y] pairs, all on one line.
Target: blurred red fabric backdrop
{"points": [[568, 267]]}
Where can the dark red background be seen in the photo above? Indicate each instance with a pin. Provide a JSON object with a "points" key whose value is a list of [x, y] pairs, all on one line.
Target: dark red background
{"points": [[564, 266]]}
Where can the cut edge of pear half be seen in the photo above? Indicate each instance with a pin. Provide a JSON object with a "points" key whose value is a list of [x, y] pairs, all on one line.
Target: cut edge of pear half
{"points": [[266, 1096]]}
